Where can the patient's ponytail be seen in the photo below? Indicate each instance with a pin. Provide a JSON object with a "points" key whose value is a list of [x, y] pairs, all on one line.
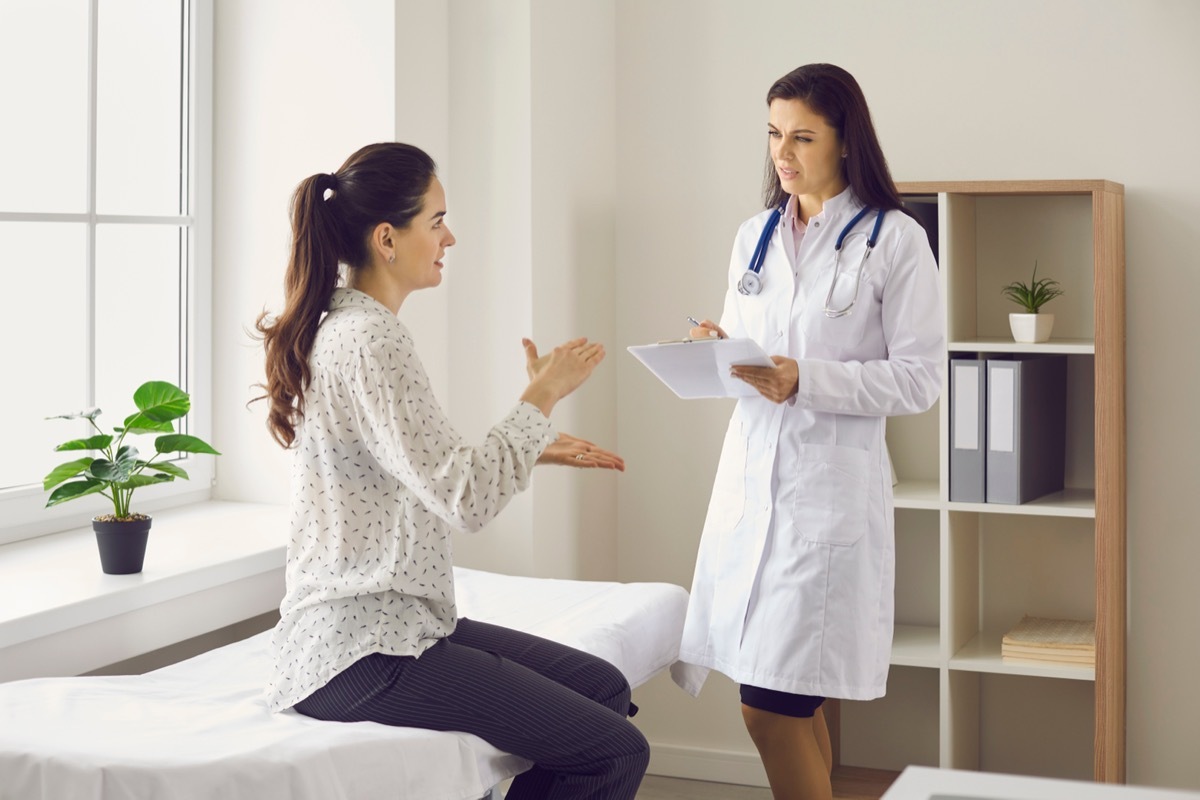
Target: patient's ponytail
{"points": [[333, 216]]}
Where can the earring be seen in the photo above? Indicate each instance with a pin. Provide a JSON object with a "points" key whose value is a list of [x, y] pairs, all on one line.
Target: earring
{"points": [[392, 259]]}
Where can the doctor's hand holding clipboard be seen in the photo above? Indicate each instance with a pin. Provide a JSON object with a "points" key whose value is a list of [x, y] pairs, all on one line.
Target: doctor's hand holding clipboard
{"points": [[834, 281], [776, 383]]}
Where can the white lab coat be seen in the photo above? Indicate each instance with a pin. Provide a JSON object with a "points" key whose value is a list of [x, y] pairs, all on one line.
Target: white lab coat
{"points": [[793, 589]]}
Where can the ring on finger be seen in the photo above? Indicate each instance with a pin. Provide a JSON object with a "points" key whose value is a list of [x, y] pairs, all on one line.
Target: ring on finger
{"points": [[579, 457]]}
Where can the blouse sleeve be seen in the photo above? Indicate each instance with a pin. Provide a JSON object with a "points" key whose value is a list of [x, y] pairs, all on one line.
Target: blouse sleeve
{"points": [[406, 431]]}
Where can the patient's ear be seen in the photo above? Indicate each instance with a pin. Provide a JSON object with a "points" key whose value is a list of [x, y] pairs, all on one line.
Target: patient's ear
{"points": [[382, 244]]}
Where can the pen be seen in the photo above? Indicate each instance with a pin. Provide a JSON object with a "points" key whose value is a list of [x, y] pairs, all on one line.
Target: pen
{"points": [[696, 324]]}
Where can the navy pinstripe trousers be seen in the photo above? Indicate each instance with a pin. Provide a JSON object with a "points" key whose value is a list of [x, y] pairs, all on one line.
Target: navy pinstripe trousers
{"points": [[561, 708]]}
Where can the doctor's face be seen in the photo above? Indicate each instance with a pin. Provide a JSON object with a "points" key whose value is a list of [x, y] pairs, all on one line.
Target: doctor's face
{"points": [[807, 152]]}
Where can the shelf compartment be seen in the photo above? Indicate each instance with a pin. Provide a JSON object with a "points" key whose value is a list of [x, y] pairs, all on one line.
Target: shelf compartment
{"points": [[982, 654], [917, 636], [867, 729], [989, 242], [1079, 503], [916, 646], [1041, 567], [914, 446], [1036, 726], [998, 344], [920, 495]]}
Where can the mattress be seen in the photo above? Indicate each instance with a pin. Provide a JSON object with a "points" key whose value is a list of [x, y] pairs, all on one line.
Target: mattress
{"points": [[201, 728]]}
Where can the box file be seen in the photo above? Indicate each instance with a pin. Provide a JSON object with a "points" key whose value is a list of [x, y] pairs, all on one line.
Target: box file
{"points": [[1026, 427], [968, 413]]}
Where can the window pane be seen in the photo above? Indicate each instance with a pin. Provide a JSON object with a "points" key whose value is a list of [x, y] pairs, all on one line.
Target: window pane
{"points": [[43, 94], [137, 312], [43, 345], [138, 106]]}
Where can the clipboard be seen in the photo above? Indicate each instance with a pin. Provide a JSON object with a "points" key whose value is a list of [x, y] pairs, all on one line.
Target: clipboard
{"points": [[695, 368]]}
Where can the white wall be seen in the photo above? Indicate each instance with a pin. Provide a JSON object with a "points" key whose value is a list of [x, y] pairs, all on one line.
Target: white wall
{"points": [[574, 246], [531, 195], [548, 185], [986, 90]]}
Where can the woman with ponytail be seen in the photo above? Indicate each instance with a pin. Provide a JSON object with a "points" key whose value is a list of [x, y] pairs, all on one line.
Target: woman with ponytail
{"points": [[368, 628]]}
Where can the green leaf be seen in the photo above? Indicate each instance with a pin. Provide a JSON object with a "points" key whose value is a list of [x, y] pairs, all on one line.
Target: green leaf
{"points": [[160, 401], [169, 468], [182, 443], [69, 491], [93, 443], [140, 423], [144, 480], [1033, 295], [64, 471], [119, 470]]}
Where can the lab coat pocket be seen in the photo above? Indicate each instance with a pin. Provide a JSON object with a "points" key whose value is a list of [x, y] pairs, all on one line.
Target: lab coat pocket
{"points": [[845, 324], [831, 494], [729, 487]]}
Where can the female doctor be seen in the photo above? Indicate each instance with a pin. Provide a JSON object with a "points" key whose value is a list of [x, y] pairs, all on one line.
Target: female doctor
{"points": [[792, 595]]}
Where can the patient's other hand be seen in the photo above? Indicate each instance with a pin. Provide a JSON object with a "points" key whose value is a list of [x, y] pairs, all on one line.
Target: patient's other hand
{"points": [[571, 451]]}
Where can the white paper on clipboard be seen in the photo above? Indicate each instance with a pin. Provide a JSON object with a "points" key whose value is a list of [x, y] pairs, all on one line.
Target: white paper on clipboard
{"points": [[695, 368]]}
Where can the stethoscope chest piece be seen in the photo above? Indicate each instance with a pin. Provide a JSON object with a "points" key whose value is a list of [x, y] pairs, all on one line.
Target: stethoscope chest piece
{"points": [[750, 284]]}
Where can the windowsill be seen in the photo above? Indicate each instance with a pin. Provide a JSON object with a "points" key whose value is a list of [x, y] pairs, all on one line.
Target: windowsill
{"points": [[207, 565]]}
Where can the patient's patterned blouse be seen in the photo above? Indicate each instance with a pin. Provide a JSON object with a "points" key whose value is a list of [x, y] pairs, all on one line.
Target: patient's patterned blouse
{"points": [[380, 480]]}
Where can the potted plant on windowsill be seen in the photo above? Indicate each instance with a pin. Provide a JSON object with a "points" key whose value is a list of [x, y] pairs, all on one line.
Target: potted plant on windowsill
{"points": [[122, 535], [1032, 325]]}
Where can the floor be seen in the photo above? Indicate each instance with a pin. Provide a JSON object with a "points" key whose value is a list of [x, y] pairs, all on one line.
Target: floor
{"points": [[848, 784], [655, 787]]}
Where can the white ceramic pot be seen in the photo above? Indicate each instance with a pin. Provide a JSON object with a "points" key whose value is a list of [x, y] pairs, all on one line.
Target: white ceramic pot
{"points": [[1031, 328]]}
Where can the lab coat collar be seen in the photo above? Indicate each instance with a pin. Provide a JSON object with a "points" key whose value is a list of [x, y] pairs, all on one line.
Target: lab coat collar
{"points": [[846, 202]]}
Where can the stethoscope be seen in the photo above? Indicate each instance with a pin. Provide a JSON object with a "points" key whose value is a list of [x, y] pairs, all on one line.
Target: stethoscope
{"points": [[751, 280]]}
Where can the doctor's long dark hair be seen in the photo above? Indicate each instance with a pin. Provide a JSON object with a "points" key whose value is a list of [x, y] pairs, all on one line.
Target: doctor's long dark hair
{"points": [[333, 216], [833, 93]]}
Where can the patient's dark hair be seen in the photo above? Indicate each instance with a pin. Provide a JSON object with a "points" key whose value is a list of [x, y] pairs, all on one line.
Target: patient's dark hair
{"points": [[333, 216], [833, 93]]}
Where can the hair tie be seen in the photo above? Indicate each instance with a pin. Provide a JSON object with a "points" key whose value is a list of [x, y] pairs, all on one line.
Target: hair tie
{"points": [[327, 185]]}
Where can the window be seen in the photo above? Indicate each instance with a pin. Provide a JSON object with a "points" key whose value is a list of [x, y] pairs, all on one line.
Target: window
{"points": [[104, 231]]}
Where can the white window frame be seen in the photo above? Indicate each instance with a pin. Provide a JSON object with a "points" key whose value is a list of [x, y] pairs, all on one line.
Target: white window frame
{"points": [[22, 509]]}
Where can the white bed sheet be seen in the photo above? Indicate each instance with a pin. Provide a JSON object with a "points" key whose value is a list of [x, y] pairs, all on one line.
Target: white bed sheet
{"points": [[201, 729]]}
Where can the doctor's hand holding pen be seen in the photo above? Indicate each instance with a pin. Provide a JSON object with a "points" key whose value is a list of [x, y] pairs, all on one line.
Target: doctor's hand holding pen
{"points": [[705, 330], [776, 383], [559, 373]]}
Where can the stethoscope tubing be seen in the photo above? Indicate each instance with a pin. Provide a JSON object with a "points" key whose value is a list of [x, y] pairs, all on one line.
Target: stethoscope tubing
{"points": [[751, 283]]}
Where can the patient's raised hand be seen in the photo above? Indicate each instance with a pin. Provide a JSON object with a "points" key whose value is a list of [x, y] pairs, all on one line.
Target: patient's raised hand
{"points": [[559, 372]]}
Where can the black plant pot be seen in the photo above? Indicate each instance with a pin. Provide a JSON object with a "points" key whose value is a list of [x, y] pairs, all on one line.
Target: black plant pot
{"points": [[122, 544]]}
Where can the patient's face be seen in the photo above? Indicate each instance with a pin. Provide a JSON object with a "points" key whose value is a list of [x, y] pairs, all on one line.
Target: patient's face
{"points": [[421, 246]]}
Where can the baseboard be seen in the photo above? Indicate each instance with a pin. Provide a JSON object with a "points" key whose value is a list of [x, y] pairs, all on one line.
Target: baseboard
{"points": [[702, 764]]}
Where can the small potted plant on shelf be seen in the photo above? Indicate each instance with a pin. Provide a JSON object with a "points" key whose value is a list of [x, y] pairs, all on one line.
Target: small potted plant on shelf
{"points": [[122, 535], [1032, 325]]}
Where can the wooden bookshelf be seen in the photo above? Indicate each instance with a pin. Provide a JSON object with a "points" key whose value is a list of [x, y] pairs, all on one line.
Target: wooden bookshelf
{"points": [[1061, 555]]}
